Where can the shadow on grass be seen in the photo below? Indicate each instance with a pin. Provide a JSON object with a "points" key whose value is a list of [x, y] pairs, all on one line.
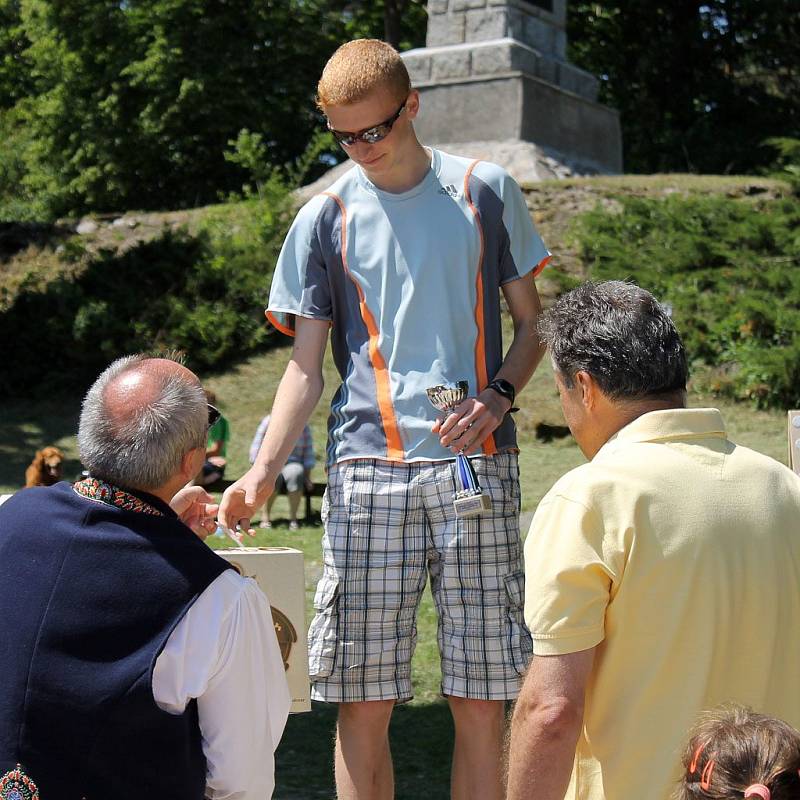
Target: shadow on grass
{"points": [[421, 737], [16, 236], [28, 426]]}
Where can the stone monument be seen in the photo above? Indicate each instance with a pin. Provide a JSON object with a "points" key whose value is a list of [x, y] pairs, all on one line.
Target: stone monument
{"points": [[496, 71]]}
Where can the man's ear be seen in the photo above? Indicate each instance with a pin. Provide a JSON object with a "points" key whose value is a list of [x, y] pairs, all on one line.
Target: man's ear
{"points": [[588, 388], [191, 463], [412, 104]]}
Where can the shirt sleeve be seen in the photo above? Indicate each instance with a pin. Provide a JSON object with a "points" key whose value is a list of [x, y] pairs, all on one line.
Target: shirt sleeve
{"points": [[523, 250], [224, 653], [300, 284], [568, 577], [526, 250]]}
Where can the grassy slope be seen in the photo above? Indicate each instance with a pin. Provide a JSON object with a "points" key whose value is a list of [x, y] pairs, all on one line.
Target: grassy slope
{"points": [[421, 731]]}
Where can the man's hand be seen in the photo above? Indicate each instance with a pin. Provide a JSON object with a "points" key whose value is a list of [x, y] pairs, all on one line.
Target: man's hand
{"points": [[196, 509], [468, 426], [241, 500]]}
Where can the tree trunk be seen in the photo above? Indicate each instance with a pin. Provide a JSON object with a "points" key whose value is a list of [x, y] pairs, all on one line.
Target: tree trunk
{"points": [[392, 13]]}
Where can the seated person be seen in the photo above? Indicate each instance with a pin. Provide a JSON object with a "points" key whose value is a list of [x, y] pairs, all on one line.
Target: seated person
{"points": [[219, 434], [734, 753], [138, 663], [295, 475]]}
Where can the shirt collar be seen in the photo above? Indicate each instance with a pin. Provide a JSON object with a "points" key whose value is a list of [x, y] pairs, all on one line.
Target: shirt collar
{"points": [[673, 423], [136, 501]]}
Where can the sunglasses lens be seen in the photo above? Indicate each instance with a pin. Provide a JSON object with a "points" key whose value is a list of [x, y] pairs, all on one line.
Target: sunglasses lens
{"points": [[213, 414], [375, 134], [343, 138]]}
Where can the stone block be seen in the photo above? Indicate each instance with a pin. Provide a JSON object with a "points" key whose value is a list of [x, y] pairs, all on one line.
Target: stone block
{"points": [[539, 34], [453, 64], [471, 111], [577, 81], [546, 69], [437, 6], [516, 24], [560, 46], [485, 24], [560, 13], [445, 29], [522, 108], [493, 59], [525, 60], [463, 5], [419, 68]]}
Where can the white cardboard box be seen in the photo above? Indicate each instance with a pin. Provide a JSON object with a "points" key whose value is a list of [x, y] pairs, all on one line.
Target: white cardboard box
{"points": [[794, 441], [279, 573]]}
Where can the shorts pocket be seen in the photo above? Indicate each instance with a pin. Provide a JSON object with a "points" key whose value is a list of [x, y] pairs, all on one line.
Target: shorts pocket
{"points": [[323, 632], [520, 643]]}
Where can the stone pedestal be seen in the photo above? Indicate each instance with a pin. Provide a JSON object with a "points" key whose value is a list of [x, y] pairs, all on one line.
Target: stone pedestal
{"points": [[496, 70]]}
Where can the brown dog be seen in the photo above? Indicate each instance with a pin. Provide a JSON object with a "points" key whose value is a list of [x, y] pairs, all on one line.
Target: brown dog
{"points": [[45, 469]]}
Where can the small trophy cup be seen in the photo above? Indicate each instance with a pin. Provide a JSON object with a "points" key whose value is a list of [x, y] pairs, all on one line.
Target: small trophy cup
{"points": [[469, 499]]}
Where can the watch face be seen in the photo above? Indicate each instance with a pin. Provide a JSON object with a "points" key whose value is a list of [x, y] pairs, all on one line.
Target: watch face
{"points": [[504, 387]]}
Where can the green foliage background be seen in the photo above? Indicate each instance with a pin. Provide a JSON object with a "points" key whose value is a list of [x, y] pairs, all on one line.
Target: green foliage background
{"points": [[112, 105], [199, 292], [700, 84], [730, 271], [106, 105]]}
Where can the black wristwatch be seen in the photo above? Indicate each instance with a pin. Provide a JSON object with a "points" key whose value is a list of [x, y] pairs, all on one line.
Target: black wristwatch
{"points": [[505, 389]]}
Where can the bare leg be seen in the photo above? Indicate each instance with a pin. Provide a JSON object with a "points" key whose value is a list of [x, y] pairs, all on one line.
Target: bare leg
{"points": [[294, 504], [477, 772], [363, 759], [265, 519]]}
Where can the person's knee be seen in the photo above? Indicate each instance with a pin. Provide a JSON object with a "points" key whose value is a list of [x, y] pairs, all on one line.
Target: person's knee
{"points": [[372, 715], [468, 711]]}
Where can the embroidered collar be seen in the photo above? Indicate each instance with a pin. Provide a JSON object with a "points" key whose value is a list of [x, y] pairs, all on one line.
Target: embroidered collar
{"points": [[16, 785], [102, 492]]}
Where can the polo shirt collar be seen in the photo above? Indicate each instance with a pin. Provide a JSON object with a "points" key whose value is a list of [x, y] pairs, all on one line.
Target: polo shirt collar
{"points": [[673, 423]]}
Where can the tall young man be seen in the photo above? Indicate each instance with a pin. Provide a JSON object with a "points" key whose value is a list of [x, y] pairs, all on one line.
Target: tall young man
{"points": [[403, 260]]}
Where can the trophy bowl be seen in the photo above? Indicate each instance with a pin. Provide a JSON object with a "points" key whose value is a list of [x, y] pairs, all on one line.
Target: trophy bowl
{"points": [[447, 396]]}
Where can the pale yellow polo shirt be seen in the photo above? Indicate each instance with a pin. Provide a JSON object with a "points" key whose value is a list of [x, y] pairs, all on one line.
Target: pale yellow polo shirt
{"points": [[676, 553]]}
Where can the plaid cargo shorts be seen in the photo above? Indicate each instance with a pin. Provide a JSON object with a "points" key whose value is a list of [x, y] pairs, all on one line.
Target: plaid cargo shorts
{"points": [[387, 526]]}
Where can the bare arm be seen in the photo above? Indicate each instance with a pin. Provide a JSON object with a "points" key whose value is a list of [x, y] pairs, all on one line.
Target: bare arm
{"points": [[474, 420], [298, 393], [544, 729]]}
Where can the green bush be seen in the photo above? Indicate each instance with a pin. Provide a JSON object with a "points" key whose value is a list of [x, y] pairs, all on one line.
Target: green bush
{"points": [[730, 271], [201, 293]]}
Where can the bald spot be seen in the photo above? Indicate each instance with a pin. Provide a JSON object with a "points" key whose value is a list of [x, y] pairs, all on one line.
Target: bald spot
{"points": [[138, 387]]}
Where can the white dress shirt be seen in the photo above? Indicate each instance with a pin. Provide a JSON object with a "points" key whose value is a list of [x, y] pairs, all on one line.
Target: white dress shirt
{"points": [[224, 652]]}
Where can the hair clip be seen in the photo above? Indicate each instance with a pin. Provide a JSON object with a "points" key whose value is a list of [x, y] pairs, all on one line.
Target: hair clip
{"points": [[705, 778], [695, 757], [758, 790]]}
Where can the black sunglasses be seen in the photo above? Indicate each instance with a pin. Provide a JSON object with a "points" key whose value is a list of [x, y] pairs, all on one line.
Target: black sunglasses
{"points": [[368, 135], [213, 414]]}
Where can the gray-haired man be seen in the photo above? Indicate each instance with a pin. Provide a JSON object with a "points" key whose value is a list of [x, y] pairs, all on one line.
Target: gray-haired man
{"points": [[136, 662], [662, 577]]}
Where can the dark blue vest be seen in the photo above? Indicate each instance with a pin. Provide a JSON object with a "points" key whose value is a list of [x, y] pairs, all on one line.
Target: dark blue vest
{"points": [[89, 594]]}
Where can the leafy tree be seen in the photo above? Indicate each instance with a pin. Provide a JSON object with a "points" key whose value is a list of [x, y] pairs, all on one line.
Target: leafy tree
{"points": [[132, 103], [700, 84], [14, 82]]}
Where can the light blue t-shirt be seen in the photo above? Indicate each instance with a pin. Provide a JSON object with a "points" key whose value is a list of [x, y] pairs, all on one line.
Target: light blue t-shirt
{"points": [[410, 283]]}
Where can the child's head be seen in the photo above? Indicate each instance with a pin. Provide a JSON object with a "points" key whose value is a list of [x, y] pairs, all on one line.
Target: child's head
{"points": [[735, 753], [357, 69]]}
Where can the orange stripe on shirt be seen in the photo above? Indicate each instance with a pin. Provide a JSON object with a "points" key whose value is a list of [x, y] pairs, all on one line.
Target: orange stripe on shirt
{"points": [[394, 445], [284, 329], [489, 447], [541, 265]]}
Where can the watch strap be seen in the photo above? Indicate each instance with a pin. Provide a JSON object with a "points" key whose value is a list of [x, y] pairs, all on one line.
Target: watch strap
{"points": [[505, 389]]}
